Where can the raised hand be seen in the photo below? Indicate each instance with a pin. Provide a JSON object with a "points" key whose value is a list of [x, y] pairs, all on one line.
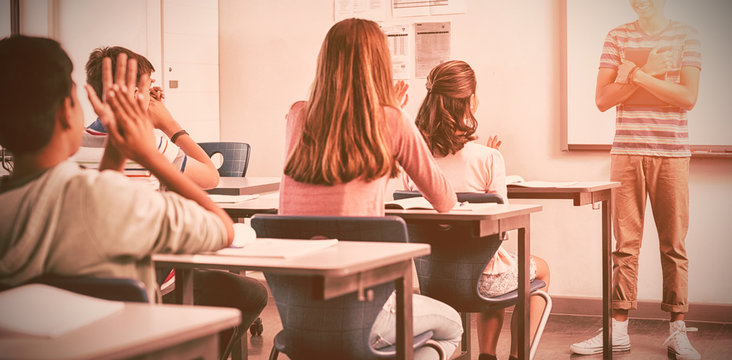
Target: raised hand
{"points": [[660, 61], [130, 131], [400, 91], [493, 142], [101, 108]]}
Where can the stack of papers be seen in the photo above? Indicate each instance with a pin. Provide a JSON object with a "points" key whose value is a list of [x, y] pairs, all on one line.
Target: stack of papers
{"points": [[278, 248], [231, 199], [543, 184], [46, 311], [420, 203]]}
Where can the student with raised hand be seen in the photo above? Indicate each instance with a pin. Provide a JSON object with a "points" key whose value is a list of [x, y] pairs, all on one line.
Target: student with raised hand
{"points": [[174, 142], [344, 144], [87, 222], [60, 219], [210, 287], [447, 121]]}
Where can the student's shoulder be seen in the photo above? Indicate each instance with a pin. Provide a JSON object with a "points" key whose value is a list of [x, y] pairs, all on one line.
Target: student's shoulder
{"points": [[480, 149], [297, 108], [680, 27], [623, 30]]}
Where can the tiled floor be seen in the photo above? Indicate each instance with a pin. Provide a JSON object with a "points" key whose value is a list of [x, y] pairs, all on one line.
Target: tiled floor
{"points": [[713, 341]]}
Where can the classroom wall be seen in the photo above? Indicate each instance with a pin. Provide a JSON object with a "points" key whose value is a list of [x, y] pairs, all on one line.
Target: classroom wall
{"points": [[267, 58]]}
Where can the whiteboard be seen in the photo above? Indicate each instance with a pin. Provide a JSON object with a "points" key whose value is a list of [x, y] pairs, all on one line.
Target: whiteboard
{"points": [[587, 24]]}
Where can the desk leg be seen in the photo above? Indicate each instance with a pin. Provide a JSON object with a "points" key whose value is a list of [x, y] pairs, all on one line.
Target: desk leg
{"points": [[184, 286], [404, 326], [523, 307], [607, 280]]}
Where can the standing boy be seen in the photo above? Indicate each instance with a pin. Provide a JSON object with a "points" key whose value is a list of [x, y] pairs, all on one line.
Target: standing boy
{"points": [[650, 70]]}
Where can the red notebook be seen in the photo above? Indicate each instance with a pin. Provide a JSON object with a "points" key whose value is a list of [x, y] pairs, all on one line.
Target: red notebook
{"points": [[642, 97]]}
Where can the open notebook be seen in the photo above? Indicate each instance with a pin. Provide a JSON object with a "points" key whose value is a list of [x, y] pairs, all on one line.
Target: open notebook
{"points": [[45, 311], [420, 203], [516, 180]]}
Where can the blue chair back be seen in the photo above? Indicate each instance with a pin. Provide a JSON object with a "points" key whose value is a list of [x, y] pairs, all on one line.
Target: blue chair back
{"points": [[451, 271], [337, 328], [236, 156]]}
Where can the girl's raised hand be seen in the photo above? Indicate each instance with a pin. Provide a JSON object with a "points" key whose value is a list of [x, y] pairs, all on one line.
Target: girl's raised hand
{"points": [[493, 142]]}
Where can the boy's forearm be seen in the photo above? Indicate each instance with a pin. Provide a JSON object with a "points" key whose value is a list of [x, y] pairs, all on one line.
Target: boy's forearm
{"points": [[112, 159], [670, 92], [174, 180]]}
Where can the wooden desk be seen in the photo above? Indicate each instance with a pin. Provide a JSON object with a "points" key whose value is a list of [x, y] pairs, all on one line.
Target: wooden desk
{"points": [[585, 193], [351, 266], [155, 331], [245, 185], [490, 221]]}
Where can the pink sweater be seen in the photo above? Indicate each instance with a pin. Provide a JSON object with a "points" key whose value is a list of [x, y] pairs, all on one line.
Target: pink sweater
{"points": [[357, 197]]}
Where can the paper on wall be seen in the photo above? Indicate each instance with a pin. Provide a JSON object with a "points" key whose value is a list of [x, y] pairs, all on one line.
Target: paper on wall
{"points": [[397, 36], [365, 9], [432, 46]]}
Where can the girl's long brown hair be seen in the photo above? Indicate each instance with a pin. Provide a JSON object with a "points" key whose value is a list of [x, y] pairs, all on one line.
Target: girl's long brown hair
{"points": [[343, 135], [445, 119]]}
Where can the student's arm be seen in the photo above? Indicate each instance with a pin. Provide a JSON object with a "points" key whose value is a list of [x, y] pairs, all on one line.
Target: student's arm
{"points": [[414, 156], [608, 93], [130, 132], [112, 159], [199, 166], [683, 94]]}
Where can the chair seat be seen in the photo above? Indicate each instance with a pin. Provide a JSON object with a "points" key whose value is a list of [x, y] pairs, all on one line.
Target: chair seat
{"points": [[511, 298], [280, 343]]}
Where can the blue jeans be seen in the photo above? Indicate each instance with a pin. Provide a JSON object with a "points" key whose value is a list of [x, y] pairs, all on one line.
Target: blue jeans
{"points": [[428, 314]]}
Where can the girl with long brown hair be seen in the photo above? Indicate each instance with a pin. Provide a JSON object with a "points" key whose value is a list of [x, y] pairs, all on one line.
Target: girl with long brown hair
{"points": [[344, 144], [447, 121]]}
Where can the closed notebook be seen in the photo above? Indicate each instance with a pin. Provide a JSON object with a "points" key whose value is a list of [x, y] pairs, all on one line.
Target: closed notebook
{"points": [[45, 311], [642, 97]]}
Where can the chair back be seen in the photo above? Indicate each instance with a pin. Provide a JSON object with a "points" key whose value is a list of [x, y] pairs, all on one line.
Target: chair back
{"points": [[235, 154], [337, 328], [451, 271], [117, 289]]}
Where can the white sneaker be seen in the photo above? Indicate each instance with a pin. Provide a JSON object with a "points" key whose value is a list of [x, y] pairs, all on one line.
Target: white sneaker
{"points": [[621, 342], [679, 347]]}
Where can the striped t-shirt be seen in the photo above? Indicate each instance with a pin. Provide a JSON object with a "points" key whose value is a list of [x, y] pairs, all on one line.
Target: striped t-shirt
{"points": [[652, 129], [92, 149]]}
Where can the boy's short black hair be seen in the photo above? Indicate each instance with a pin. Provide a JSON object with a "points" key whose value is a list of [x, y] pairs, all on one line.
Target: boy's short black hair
{"points": [[35, 78], [94, 65]]}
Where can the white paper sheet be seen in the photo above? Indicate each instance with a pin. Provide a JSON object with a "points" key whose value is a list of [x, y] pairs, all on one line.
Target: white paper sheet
{"points": [[365, 9], [398, 37], [46, 311], [543, 184], [231, 199], [401, 8], [279, 248], [432, 46]]}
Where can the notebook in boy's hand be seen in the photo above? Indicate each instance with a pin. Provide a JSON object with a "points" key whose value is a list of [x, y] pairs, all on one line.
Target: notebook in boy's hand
{"points": [[642, 97]]}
